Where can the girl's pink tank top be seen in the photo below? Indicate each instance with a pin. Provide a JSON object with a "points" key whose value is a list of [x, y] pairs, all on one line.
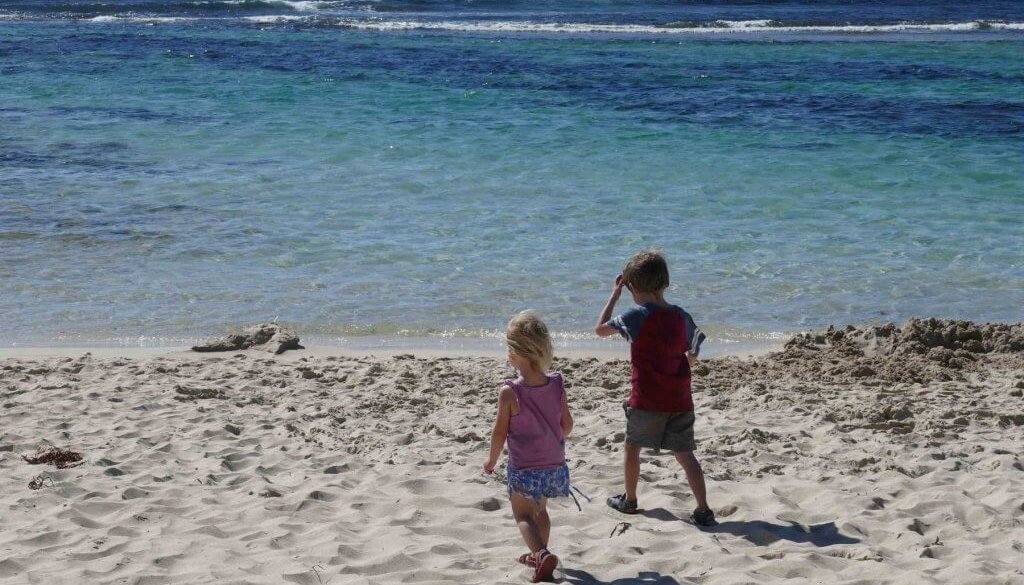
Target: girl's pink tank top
{"points": [[535, 438]]}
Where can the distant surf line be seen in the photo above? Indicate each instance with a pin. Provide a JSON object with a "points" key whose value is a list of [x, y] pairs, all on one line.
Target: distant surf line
{"points": [[721, 26], [718, 27]]}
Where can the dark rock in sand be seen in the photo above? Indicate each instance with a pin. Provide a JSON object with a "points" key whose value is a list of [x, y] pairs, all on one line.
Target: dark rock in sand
{"points": [[265, 336]]}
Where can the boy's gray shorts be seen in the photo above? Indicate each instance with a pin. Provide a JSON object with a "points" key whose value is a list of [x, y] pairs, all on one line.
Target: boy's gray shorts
{"points": [[672, 431]]}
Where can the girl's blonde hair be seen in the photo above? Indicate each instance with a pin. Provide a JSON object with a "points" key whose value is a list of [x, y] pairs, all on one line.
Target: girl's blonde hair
{"points": [[527, 336]]}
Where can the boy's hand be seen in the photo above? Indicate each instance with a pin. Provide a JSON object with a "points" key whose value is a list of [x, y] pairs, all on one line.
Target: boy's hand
{"points": [[602, 329], [619, 283]]}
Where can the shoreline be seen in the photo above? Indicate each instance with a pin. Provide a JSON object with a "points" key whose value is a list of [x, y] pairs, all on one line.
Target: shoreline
{"points": [[741, 350]]}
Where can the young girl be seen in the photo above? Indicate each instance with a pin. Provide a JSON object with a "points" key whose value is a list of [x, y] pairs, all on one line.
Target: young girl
{"points": [[533, 414]]}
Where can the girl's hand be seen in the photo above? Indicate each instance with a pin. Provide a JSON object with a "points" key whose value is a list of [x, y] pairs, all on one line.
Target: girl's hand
{"points": [[489, 466]]}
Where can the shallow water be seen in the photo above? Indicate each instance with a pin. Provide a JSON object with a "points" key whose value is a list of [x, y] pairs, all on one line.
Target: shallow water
{"points": [[165, 179]]}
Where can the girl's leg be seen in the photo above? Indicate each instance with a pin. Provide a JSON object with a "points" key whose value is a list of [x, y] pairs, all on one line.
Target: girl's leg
{"points": [[524, 510], [529, 514], [543, 521]]}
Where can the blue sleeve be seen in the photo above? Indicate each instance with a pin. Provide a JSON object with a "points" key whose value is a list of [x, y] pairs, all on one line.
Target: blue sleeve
{"points": [[694, 335], [628, 324]]}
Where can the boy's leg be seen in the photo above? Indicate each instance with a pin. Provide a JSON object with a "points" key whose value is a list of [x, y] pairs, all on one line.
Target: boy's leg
{"points": [[642, 428], [631, 460], [694, 476], [524, 510]]}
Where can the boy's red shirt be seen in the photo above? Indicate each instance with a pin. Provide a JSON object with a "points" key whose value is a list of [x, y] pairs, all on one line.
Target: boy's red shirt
{"points": [[659, 339]]}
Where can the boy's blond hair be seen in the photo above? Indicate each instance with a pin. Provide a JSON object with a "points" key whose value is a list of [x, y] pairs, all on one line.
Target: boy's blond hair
{"points": [[527, 336], [646, 271]]}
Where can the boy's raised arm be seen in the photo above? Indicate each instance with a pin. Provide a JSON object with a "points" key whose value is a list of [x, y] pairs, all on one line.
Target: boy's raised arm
{"points": [[602, 329]]}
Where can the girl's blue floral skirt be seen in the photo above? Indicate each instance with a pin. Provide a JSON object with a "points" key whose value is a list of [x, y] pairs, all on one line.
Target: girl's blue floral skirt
{"points": [[539, 483]]}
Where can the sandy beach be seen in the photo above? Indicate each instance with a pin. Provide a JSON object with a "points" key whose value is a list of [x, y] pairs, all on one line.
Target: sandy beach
{"points": [[259, 259], [877, 455]]}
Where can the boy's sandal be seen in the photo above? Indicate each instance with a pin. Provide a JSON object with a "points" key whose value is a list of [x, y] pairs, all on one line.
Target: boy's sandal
{"points": [[704, 517], [527, 559], [544, 570], [621, 504]]}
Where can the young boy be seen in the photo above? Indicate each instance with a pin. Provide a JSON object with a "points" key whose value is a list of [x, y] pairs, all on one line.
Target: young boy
{"points": [[664, 343]]}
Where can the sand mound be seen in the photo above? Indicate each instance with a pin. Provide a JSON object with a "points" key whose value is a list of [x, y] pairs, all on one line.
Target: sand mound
{"points": [[920, 336], [923, 350]]}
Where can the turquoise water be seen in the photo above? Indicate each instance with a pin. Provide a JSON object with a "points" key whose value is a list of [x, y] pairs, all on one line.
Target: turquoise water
{"points": [[164, 182]]}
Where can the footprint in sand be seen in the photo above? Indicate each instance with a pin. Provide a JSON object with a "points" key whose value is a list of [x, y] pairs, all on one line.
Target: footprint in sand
{"points": [[133, 493], [488, 505]]}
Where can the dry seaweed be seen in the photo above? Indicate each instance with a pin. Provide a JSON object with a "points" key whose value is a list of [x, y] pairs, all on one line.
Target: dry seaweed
{"points": [[192, 394], [39, 481], [60, 458]]}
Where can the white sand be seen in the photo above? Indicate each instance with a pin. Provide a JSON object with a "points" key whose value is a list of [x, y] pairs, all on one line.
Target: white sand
{"points": [[249, 468]]}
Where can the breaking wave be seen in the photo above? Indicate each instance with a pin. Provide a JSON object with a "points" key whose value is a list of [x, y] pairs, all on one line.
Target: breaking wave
{"points": [[720, 26]]}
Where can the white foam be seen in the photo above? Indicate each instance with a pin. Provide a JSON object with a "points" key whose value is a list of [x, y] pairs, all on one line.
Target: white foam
{"points": [[764, 23], [296, 5], [263, 19], [112, 18], [719, 27], [275, 18], [300, 5]]}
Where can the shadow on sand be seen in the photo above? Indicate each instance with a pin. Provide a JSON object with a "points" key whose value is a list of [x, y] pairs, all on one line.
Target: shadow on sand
{"points": [[578, 577], [763, 533], [759, 532], [660, 514]]}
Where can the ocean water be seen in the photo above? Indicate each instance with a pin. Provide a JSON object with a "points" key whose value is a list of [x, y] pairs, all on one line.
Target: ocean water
{"points": [[419, 170]]}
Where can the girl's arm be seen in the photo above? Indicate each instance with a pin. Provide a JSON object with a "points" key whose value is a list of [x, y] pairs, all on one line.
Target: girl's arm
{"points": [[567, 421], [500, 431]]}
